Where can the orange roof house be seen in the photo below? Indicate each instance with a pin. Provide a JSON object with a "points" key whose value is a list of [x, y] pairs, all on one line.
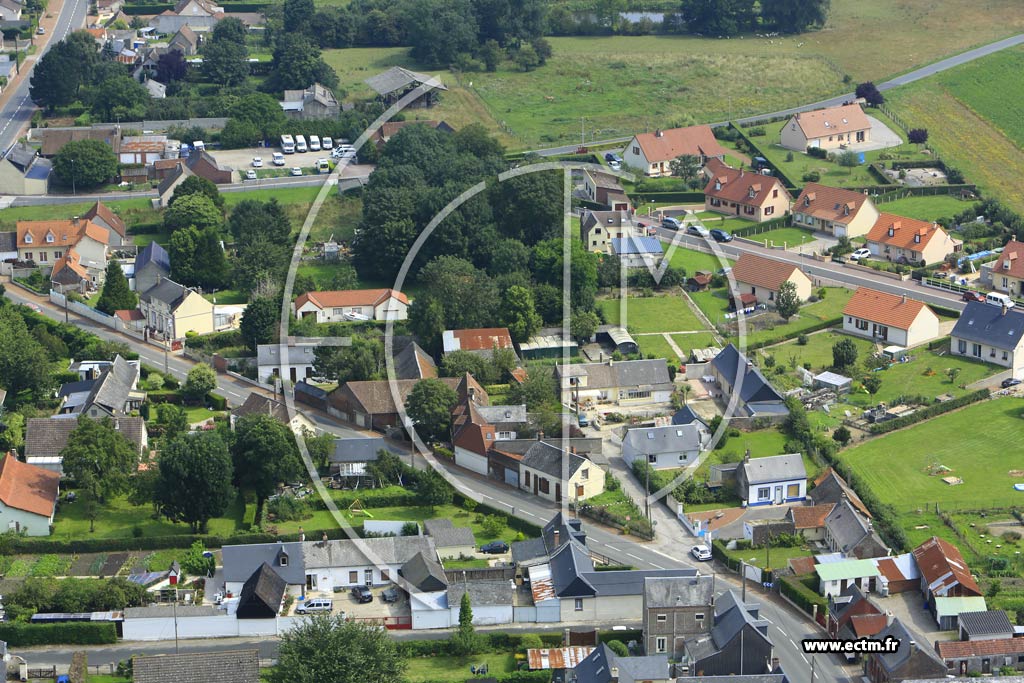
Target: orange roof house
{"points": [[352, 304], [889, 318], [29, 496], [829, 128], [481, 340], [1008, 269], [834, 210], [908, 240], [736, 192], [761, 277], [652, 152], [944, 571]]}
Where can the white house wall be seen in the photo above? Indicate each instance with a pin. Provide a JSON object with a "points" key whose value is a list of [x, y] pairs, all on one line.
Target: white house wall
{"points": [[220, 626], [470, 460], [752, 499], [28, 522], [487, 615]]}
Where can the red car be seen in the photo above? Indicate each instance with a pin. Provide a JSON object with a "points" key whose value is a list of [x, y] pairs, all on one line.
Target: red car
{"points": [[973, 296]]}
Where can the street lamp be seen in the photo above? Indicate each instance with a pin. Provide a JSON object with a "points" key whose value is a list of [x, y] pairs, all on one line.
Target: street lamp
{"points": [[73, 191]]}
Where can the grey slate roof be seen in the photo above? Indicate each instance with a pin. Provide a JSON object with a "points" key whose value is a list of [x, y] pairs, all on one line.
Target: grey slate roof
{"points": [[595, 667], [397, 78], [731, 616], [261, 594], [631, 373], [240, 561], [499, 415], [47, 436], [548, 459], [114, 385], [540, 548], [257, 404], [678, 591], [849, 529], [8, 241], [647, 668], [746, 678], [447, 535], [298, 354], [22, 155], [424, 573], [530, 549], [351, 553], [986, 324], [412, 362], [155, 254], [573, 575], [363, 449], [613, 219], [481, 593], [773, 468], [991, 622], [909, 646], [668, 439], [685, 415], [240, 666], [167, 291], [756, 388]]}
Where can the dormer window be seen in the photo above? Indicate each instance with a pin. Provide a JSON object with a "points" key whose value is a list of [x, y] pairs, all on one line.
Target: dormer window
{"points": [[917, 238], [49, 238], [751, 193], [891, 231], [283, 560], [28, 239], [846, 210], [718, 184]]}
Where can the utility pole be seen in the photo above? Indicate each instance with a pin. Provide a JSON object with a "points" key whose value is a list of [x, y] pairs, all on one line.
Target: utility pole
{"points": [[167, 343], [812, 669], [647, 487], [743, 578]]}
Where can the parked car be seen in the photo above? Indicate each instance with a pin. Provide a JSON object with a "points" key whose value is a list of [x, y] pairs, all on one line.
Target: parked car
{"points": [[861, 253], [390, 595], [250, 174], [612, 156], [257, 162], [315, 605], [615, 166], [41, 31], [701, 553], [494, 548], [1009, 382], [720, 235], [296, 170], [671, 223], [326, 143], [698, 230], [973, 296], [362, 594], [583, 420]]}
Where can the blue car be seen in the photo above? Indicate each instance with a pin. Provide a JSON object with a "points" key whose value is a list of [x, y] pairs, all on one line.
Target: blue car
{"points": [[720, 235]]}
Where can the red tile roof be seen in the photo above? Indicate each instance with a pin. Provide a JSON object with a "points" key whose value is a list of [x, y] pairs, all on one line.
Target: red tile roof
{"points": [[483, 339], [832, 121], [742, 187], [129, 315], [900, 232], [829, 203], [27, 487], [960, 649], [884, 308], [761, 271], [1011, 260], [801, 565], [941, 564], [669, 144], [72, 261], [867, 625], [349, 297], [65, 233], [812, 517]]}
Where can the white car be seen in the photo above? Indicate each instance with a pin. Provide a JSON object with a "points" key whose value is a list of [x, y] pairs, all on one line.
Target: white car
{"points": [[861, 253], [701, 553], [296, 170], [257, 162], [250, 174]]}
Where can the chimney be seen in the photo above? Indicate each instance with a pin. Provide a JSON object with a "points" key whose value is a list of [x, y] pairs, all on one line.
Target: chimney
{"points": [[658, 133], [904, 298], [750, 366], [615, 672], [74, 221], [746, 456]]}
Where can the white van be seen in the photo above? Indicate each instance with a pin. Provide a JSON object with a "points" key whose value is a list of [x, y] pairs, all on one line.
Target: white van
{"points": [[997, 299], [326, 143], [300, 144], [315, 605], [199, 146], [314, 143], [278, 159]]}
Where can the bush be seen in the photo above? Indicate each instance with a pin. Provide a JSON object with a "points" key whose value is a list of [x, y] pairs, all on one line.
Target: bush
{"points": [[811, 177], [802, 340], [493, 525], [817, 152], [756, 132], [618, 647], [217, 402], [530, 641], [67, 633], [289, 509]]}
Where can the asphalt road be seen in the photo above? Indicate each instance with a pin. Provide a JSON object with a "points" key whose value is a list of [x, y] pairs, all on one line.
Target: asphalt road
{"points": [[909, 77], [16, 114]]}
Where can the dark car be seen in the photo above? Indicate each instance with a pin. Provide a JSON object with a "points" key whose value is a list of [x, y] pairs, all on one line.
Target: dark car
{"points": [[494, 548], [389, 595], [612, 156], [1009, 382], [362, 594], [720, 235], [973, 296]]}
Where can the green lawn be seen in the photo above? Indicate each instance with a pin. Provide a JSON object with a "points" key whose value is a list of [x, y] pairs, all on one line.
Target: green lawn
{"points": [[768, 558], [133, 211], [715, 303], [691, 261], [762, 443], [118, 518], [104, 678], [655, 344], [435, 669], [466, 564], [652, 314], [926, 208], [227, 296], [699, 340], [817, 351], [980, 444], [791, 238]]}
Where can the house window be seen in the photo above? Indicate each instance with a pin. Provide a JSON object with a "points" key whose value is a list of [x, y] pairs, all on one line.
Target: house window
{"points": [[775, 194], [652, 459], [42, 257], [584, 474], [771, 296], [49, 239], [543, 485], [58, 254], [636, 150], [793, 490], [578, 605], [385, 575], [861, 324], [976, 350], [1006, 355], [661, 644], [526, 479], [961, 347], [682, 458], [28, 255], [764, 493], [716, 202], [699, 616], [769, 210], [1006, 283], [749, 210], [353, 577], [662, 618], [28, 239], [636, 393], [337, 312], [283, 561], [505, 436]]}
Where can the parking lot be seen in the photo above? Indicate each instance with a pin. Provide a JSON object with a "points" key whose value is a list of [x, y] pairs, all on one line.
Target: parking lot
{"points": [[241, 159], [344, 602]]}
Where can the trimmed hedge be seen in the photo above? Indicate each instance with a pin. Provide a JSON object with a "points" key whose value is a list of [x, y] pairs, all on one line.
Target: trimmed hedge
{"points": [[217, 402], [719, 553], [930, 411], [804, 597], [392, 496], [683, 197], [489, 642], [624, 636], [18, 634]]}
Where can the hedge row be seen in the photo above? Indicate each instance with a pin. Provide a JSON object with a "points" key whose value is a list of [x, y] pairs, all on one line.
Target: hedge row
{"points": [[804, 597], [529, 530], [623, 636], [719, 553], [824, 324], [489, 642], [930, 412], [661, 197], [392, 496], [17, 634]]}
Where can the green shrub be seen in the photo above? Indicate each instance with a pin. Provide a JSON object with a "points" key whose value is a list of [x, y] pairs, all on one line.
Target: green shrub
{"points": [[217, 402], [801, 595], [289, 509], [929, 412], [811, 177], [67, 633]]}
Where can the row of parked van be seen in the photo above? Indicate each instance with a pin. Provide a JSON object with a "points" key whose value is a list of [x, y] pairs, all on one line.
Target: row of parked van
{"points": [[291, 145]]}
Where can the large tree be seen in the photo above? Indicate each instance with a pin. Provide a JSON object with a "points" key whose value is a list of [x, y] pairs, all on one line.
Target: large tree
{"points": [[201, 380], [24, 363], [362, 360], [538, 390], [547, 267], [429, 406], [263, 111], [260, 321], [182, 249], [118, 98], [793, 16], [60, 73], [787, 301], [334, 649], [99, 459], [718, 17], [297, 64], [518, 313], [298, 17], [444, 29], [231, 30], [225, 62], [194, 210], [85, 164], [252, 219], [171, 66], [116, 294], [194, 485], [198, 185], [844, 354], [869, 91], [264, 454]]}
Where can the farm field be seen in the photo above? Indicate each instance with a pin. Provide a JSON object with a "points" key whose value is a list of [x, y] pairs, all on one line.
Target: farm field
{"points": [[977, 443], [652, 314]]}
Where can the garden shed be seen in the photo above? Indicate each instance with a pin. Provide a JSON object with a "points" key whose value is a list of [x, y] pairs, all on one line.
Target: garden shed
{"points": [[834, 381]]}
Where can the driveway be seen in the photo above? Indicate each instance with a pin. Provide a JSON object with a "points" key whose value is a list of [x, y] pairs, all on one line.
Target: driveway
{"points": [[882, 137], [910, 610]]}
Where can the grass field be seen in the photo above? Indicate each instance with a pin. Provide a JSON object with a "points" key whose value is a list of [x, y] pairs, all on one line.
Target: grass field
{"points": [[456, 668], [978, 443], [691, 261], [698, 340], [769, 558], [715, 303], [652, 314], [118, 517], [655, 344], [790, 237], [926, 208]]}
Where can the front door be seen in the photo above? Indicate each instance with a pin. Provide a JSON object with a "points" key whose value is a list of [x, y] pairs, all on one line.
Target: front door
{"points": [[558, 492], [986, 666], [778, 495], [368, 577], [311, 582]]}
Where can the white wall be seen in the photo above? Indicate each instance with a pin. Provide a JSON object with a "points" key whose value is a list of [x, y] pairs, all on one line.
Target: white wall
{"points": [[486, 615], [752, 498], [221, 626], [29, 523], [470, 460]]}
